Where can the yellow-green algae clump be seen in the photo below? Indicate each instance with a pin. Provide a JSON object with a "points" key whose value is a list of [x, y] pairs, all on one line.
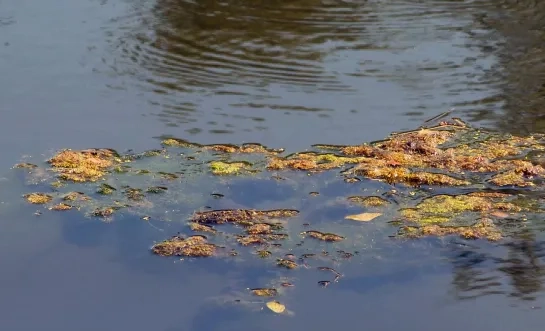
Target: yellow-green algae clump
{"points": [[482, 229], [438, 156], [228, 168], [195, 246], [38, 198], [370, 201], [443, 208], [83, 166]]}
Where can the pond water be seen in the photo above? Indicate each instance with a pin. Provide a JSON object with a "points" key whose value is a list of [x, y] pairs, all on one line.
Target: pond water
{"points": [[120, 74]]}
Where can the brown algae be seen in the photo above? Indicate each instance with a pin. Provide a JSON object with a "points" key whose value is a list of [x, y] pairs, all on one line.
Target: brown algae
{"points": [[195, 246], [264, 292], [201, 228], [240, 215], [323, 236]]}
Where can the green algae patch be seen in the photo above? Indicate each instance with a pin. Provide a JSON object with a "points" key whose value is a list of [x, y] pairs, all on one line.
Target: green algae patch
{"points": [[176, 142], [369, 201], [221, 168], [194, 246], [444, 208], [38, 198], [482, 229]]}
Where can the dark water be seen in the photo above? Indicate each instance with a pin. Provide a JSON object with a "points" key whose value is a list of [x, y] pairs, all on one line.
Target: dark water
{"points": [[286, 74]]}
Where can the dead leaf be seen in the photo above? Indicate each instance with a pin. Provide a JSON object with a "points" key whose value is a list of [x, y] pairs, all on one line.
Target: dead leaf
{"points": [[276, 307], [363, 217], [499, 214]]}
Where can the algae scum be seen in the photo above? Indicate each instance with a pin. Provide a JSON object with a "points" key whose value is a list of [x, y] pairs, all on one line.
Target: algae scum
{"points": [[447, 180]]}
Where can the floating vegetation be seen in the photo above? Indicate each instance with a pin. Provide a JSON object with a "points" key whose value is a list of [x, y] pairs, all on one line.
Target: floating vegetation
{"points": [[449, 180], [83, 166], [60, 207], [201, 227], [323, 236], [75, 196], [156, 189], [286, 263], [276, 307], [228, 168], [443, 208], [240, 215], [482, 229], [371, 201], [263, 253], [259, 228], [363, 217], [104, 212], [25, 165], [168, 175], [106, 189], [264, 292], [195, 246], [134, 194], [38, 198]]}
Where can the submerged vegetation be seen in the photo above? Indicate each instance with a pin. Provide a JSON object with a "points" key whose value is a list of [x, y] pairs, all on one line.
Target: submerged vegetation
{"points": [[448, 180]]}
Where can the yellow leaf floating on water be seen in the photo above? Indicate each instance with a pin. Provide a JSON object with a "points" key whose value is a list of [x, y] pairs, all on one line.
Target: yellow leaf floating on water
{"points": [[276, 306], [363, 217]]}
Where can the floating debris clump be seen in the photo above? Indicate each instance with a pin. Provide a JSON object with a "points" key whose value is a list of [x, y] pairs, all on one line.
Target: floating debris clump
{"points": [[195, 246], [38, 198], [448, 180], [83, 166]]}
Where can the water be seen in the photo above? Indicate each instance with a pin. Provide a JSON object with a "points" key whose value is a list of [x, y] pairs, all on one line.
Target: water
{"points": [[286, 74]]}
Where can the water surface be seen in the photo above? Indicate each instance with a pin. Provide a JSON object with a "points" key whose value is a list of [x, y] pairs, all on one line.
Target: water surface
{"points": [[286, 74]]}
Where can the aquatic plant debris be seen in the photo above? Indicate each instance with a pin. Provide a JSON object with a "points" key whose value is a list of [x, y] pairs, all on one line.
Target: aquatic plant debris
{"points": [[448, 180], [195, 246], [276, 307], [363, 217]]}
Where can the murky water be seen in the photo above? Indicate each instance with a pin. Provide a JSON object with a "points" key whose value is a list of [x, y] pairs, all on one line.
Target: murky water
{"points": [[286, 74]]}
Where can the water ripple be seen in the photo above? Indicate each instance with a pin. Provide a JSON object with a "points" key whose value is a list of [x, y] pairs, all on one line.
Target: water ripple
{"points": [[409, 57]]}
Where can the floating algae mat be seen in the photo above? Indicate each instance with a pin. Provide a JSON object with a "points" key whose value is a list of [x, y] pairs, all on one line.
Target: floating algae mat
{"points": [[307, 209]]}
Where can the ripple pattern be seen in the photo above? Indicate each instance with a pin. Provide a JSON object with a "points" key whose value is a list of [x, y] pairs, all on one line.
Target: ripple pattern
{"points": [[197, 59]]}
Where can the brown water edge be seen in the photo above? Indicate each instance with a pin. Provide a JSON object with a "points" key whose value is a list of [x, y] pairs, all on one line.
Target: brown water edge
{"points": [[446, 180]]}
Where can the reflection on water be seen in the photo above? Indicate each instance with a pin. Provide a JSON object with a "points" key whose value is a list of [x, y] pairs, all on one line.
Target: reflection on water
{"points": [[515, 269], [244, 59], [217, 60], [520, 74]]}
